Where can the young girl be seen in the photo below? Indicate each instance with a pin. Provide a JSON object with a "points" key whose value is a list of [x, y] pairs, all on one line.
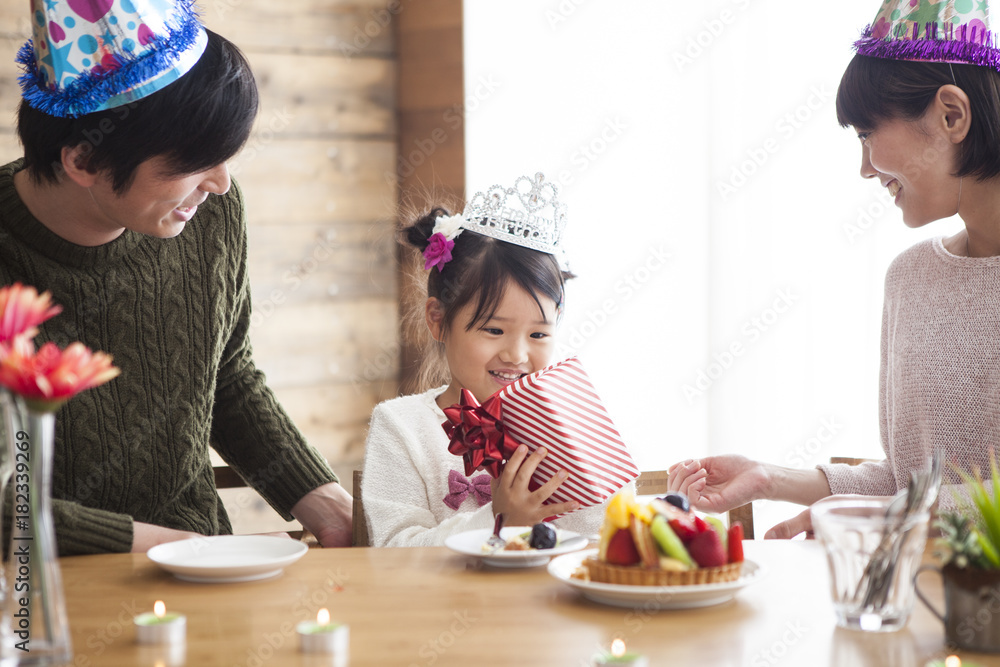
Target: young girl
{"points": [[494, 295], [923, 94]]}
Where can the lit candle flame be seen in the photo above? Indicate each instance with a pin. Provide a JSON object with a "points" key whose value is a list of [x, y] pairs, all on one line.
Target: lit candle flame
{"points": [[952, 661], [618, 648], [159, 609], [323, 617]]}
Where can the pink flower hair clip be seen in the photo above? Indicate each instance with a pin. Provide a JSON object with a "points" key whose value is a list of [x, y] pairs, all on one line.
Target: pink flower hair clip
{"points": [[442, 241]]}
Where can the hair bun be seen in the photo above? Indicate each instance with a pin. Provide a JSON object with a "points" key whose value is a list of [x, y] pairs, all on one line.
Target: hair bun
{"points": [[419, 233]]}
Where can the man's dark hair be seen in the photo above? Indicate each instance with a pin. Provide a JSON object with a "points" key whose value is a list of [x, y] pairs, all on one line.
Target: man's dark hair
{"points": [[197, 122], [873, 90]]}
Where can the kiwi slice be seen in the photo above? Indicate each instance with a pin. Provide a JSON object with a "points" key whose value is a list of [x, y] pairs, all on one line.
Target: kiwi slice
{"points": [[668, 541]]}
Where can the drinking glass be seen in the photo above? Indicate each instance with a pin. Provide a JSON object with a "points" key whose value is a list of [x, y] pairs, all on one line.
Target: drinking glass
{"points": [[852, 529]]}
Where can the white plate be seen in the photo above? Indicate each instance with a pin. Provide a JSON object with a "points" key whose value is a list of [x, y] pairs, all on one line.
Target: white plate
{"points": [[227, 558], [471, 543], [652, 597]]}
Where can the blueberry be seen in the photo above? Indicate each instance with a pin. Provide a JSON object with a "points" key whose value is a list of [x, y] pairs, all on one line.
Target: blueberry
{"points": [[543, 536], [678, 500]]}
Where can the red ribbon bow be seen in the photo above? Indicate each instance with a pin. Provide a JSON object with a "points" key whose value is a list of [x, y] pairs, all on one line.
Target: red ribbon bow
{"points": [[476, 433]]}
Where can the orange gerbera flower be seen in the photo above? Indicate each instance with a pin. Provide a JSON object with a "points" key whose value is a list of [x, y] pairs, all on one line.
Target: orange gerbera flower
{"points": [[22, 309], [50, 376]]}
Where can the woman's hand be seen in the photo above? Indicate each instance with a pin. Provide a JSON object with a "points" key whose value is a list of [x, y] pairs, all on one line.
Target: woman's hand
{"points": [[786, 530], [719, 483], [802, 523], [512, 497]]}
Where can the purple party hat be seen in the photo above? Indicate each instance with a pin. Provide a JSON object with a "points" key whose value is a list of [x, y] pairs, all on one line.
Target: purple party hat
{"points": [[946, 31], [92, 55]]}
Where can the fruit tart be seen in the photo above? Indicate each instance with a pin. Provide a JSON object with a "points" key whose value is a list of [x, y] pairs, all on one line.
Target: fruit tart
{"points": [[663, 543]]}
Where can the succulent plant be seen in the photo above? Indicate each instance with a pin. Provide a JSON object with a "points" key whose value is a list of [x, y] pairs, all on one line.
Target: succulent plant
{"points": [[970, 534]]}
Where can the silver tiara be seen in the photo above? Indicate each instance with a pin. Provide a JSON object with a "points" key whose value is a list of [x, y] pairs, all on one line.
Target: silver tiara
{"points": [[528, 214]]}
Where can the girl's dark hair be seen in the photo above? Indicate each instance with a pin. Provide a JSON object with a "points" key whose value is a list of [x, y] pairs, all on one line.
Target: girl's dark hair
{"points": [[873, 90], [480, 271], [197, 122]]}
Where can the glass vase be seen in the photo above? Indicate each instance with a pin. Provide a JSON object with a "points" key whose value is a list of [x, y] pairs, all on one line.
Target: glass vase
{"points": [[34, 627], [7, 430]]}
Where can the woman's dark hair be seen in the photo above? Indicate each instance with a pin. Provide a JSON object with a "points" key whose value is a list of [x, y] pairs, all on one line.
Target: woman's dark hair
{"points": [[873, 90], [480, 271], [197, 122]]}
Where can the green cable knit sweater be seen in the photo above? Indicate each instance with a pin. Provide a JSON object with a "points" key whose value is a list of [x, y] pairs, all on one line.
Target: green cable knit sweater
{"points": [[175, 314]]}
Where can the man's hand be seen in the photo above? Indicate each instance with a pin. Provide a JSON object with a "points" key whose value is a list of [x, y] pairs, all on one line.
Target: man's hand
{"points": [[145, 536], [328, 513]]}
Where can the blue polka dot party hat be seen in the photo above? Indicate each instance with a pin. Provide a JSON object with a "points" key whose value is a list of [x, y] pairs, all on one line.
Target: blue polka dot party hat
{"points": [[946, 31], [93, 55]]}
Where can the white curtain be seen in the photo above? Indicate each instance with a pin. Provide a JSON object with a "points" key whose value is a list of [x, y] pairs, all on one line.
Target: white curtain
{"points": [[730, 257]]}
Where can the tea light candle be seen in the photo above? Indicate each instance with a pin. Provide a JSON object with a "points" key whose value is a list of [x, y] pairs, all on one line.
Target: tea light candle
{"points": [[619, 656], [159, 627], [951, 661], [322, 636]]}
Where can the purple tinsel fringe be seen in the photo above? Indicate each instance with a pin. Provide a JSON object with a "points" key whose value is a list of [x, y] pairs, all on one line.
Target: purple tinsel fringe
{"points": [[980, 52], [89, 91]]}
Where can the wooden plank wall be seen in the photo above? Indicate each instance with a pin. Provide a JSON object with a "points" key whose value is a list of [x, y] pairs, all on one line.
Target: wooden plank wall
{"points": [[15, 28], [431, 163], [319, 178]]}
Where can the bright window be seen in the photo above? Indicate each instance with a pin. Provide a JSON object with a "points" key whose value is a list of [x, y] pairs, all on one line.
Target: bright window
{"points": [[730, 257]]}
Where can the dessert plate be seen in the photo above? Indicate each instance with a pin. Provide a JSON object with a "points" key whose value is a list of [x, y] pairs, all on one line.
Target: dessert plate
{"points": [[227, 558], [470, 543], [652, 597]]}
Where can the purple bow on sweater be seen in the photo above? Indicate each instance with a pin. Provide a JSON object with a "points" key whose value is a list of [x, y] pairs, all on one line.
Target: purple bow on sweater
{"points": [[459, 488]]}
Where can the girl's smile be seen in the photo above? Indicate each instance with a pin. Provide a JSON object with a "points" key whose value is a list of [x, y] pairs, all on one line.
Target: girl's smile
{"points": [[506, 377]]}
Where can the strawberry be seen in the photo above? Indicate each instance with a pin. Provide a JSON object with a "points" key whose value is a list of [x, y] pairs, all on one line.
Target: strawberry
{"points": [[736, 542], [684, 527], [706, 549], [701, 525], [621, 549]]}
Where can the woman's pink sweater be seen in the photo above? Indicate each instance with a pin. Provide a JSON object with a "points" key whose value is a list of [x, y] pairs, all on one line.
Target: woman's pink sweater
{"points": [[939, 384]]}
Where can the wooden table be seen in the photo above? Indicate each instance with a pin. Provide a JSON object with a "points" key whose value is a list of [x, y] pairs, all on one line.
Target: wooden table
{"points": [[429, 606]]}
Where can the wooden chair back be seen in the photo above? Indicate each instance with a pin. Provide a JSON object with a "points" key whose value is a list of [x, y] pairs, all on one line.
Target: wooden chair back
{"points": [[359, 530], [226, 478], [651, 483], [851, 461]]}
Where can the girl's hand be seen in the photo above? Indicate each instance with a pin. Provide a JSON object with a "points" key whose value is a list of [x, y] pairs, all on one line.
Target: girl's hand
{"points": [[519, 505], [719, 483]]}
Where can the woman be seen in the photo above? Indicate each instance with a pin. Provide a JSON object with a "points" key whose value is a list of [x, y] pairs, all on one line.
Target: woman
{"points": [[924, 98]]}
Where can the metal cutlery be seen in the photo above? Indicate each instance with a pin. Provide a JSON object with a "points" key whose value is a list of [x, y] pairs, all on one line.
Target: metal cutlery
{"points": [[496, 543]]}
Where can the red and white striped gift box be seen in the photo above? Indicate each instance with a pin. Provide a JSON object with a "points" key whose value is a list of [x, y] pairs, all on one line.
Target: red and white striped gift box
{"points": [[558, 407]]}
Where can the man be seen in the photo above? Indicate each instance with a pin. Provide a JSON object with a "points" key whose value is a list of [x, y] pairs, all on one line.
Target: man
{"points": [[123, 208]]}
